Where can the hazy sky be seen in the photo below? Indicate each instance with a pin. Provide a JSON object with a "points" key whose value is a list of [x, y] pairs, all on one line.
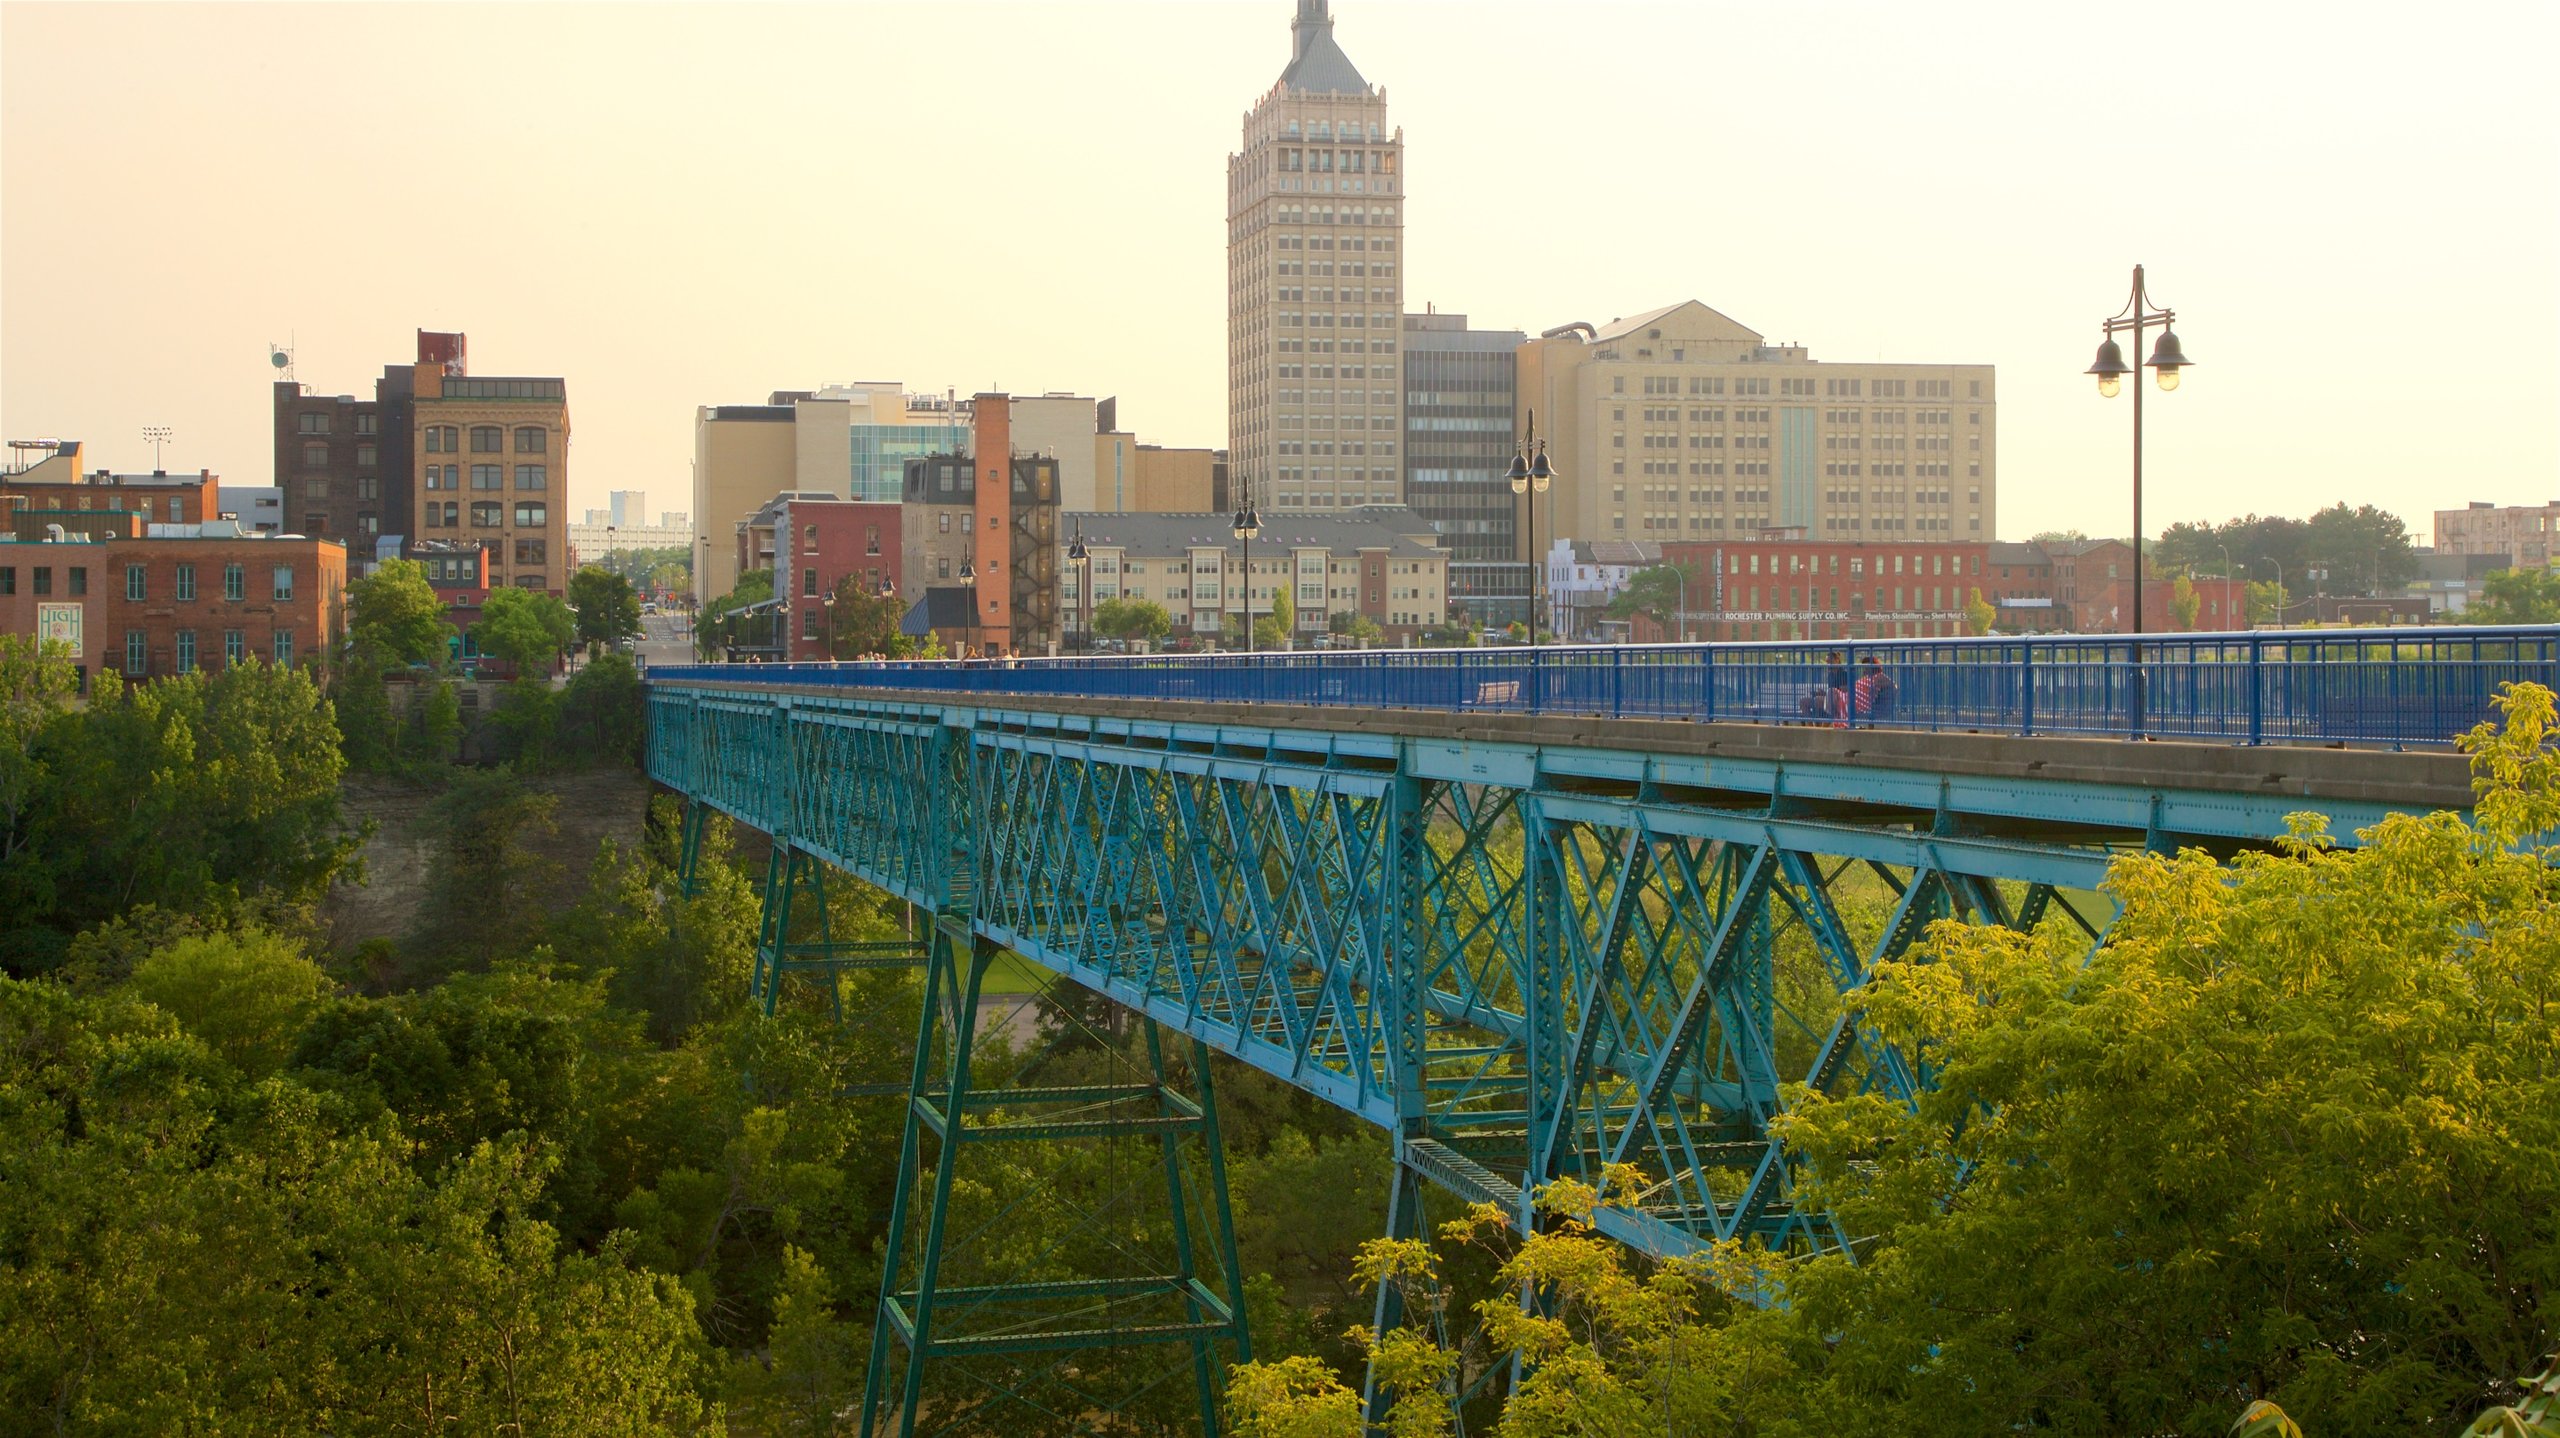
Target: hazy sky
{"points": [[2352, 207]]}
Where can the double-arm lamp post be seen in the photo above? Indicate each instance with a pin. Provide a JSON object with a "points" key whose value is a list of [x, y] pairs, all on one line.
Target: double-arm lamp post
{"points": [[1530, 475], [1248, 524], [2167, 360]]}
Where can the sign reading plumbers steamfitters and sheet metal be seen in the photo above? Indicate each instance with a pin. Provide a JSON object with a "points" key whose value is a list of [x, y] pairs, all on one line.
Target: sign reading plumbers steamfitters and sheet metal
{"points": [[59, 621]]}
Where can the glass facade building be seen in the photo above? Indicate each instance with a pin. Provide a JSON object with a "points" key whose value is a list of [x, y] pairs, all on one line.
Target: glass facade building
{"points": [[1457, 435], [881, 452]]}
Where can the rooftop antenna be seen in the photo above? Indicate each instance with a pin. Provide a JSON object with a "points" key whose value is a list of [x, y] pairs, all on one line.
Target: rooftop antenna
{"points": [[157, 435], [281, 357]]}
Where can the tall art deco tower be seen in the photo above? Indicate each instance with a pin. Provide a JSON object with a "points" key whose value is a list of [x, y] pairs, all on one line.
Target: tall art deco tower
{"points": [[1315, 229]]}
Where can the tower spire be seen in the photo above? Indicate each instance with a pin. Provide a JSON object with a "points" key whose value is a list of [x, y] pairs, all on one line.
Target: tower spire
{"points": [[1315, 61]]}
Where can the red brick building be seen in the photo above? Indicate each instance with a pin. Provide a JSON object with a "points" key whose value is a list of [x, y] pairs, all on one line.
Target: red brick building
{"points": [[56, 482], [1786, 586], [811, 541], [174, 598]]}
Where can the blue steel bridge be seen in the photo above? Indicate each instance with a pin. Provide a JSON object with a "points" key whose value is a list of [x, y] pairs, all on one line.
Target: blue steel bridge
{"points": [[1533, 913]]}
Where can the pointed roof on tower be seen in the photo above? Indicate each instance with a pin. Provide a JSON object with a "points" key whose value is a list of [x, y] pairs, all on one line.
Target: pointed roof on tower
{"points": [[1315, 62]]}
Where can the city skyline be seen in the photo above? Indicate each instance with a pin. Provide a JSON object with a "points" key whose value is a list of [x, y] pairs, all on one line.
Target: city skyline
{"points": [[1893, 188]]}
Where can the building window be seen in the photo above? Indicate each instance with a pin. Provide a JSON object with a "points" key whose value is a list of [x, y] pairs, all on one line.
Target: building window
{"points": [[532, 476], [308, 423], [529, 581], [368, 423], [186, 651], [315, 489], [315, 455], [186, 582], [488, 515], [809, 539], [133, 584], [488, 439], [44, 579], [369, 487], [79, 580], [284, 649], [808, 624], [366, 523], [8, 581], [531, 551], [367, 456], [235, 582], [235, 648], [533, 439], [532, 515], [137, 652], [443, 439], [284, 584], [488, 476]]}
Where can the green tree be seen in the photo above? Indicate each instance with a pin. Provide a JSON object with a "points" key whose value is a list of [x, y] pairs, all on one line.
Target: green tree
{"points": [[2057, 536], [435, 731], [484, 881], [37, 685], [1979, 614], [2267, 601], [2519, 596], [525, 628], [1126, 618], [723, 622], [863, 621], [2184, 603], [247, 996], [396, 613], [1351, 624], [604, 606], [601, 712], [1657, 593], [1275, 630]]}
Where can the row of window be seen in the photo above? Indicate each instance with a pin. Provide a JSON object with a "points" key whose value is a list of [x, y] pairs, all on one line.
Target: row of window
{"points": [[235, 650], [485, 514], [529, 477], [486, 439], [317, 422], [137, 582]]}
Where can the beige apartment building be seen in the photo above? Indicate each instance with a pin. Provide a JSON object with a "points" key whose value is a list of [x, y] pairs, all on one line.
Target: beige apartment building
{"points": [[1681, 424], [492, 457], [1315, 228], [1384, 563], [2528, 534]]}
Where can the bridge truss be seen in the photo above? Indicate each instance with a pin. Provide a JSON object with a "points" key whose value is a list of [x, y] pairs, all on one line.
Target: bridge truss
{"points": [[1526, 955]]}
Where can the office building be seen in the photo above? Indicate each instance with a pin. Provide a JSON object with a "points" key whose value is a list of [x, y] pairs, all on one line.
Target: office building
{"points": [[987, 520], [1384, 563], [1315, 223], [493, 469], [1680, 424], [343, 464], [598, 536], [2529, 534], [258, 507], [55, 482], [1458, 444], [851, 440]]}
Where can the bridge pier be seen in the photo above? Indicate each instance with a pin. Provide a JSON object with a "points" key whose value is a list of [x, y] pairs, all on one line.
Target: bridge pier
{"points": [[943, 1305]]}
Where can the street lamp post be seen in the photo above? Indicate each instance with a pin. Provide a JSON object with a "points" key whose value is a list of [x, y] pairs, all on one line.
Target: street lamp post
{"points": [[830, 605], [1530, 475], [2167, 361], [1248, 524], [969, 576], [1081, 559]]}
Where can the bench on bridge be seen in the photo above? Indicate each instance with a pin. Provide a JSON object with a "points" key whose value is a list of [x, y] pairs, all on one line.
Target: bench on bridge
{"points": [[1498, 691]]}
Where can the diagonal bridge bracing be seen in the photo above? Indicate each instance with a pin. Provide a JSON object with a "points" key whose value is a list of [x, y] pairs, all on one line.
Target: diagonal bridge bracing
{"points": [[1529, 951]]}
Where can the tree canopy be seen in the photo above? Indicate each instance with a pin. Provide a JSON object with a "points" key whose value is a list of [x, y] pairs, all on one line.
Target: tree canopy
{"points": [[526, 628], [2519, 596], [2352, 546], [1657, 593], [604, 604], [1126, 618], [2291, 1134], [394, 613]]}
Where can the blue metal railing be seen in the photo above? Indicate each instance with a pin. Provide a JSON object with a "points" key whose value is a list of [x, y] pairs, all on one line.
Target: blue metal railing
{"points": [[2394, 687]]}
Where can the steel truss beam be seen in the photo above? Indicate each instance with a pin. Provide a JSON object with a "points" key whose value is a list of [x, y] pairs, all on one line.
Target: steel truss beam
{"points": [[1525, 963]]}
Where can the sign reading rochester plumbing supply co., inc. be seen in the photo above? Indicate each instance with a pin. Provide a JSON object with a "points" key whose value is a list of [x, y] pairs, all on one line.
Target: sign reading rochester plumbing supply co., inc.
{"points": [[59, 621]]}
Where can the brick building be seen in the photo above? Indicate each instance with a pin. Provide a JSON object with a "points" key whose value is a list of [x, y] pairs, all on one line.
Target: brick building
{"points": [[812, 541], [56, 483], [143, 602], [2529, 534], [1381, 561], [1786, 586]]}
